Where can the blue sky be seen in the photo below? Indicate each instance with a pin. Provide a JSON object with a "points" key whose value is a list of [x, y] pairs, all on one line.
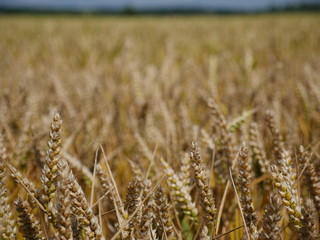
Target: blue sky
{"points": [[150, 4]]}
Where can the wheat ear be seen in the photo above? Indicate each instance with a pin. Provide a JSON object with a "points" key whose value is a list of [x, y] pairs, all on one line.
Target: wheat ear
{"points": [[309, 222], [50, 168], [146, 231], [288, 196], [105, 182], [313, 179], [80, 206], [64, 202], [277, 142], [271, 217], [165, 225], [180, 192], [133, 198], [225, 148], [258, 154], [204, 235], [29, 225], [8, 228], [206, 196], [246, 197]]}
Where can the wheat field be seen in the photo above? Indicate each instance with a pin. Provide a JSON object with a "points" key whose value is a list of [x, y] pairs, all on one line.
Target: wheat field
{"points": [[170, 127]]}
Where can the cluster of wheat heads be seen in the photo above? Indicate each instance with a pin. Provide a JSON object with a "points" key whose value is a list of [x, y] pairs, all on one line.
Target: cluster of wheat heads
{"points": [[143, 154], [173, 204]]}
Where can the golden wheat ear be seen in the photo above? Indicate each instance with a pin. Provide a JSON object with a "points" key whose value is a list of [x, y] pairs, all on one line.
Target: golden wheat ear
{"points": [[106, 186], [289, 199], [63, 205], [277, 142], [180, 193], [309, 222], [133, 198], [204, 235], [225, 148], [165, 227], [310, 173], [8, 229], [146, 230], [270, 228], [206, 197], [51, 167], [246, 194], [88, 222], [29, 225], [258, 153]]}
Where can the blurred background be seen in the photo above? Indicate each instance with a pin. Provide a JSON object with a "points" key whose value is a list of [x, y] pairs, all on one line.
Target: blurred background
{"points": [[158, 6], [133, 77]]}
